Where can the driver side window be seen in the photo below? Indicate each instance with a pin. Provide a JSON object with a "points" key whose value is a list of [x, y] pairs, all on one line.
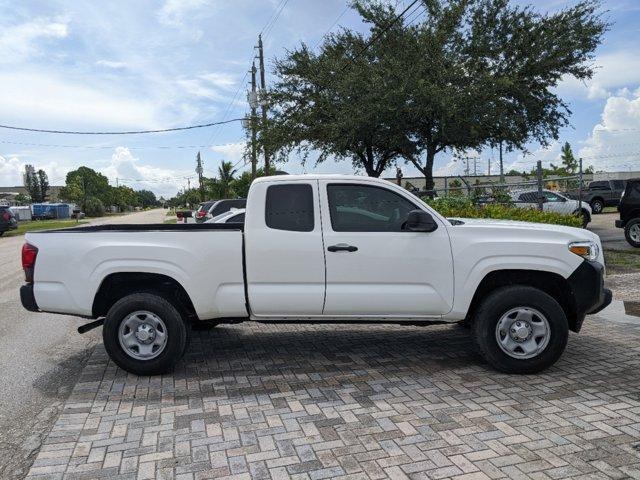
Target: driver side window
{"points": [[362, 208]]}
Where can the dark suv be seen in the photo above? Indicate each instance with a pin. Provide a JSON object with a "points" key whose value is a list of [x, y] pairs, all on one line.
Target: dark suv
{"points": [[629, 209], [603, 193], [7, 220]]}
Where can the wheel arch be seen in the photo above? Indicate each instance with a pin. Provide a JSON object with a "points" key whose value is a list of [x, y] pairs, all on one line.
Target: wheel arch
{"points": [[118, 285], [551, 283]]}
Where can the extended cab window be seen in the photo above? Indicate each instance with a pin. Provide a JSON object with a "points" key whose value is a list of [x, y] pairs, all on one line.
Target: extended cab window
{"points": [[290, 207], [600, 185], [361, 208]]}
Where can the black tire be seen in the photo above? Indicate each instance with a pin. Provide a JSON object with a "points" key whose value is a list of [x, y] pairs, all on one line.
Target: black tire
{"points": [[501, 301], [635, 223], [597, 206], [584, 217], [176, 331]]}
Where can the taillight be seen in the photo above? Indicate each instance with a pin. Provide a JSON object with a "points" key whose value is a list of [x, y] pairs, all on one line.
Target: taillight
{"points": [[5, 216], [200, 214], [29, 254]]}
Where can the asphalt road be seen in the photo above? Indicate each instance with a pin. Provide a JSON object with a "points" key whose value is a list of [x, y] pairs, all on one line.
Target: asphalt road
{"points": [[41, 356], [611, 237]]}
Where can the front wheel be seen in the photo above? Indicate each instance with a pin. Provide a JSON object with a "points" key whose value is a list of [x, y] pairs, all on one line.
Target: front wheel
{"points": [[632, 232], [597, 206], [144, 334], [520, 329]]}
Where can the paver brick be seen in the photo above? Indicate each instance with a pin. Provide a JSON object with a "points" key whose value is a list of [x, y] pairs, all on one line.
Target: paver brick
{"points": [[354, 401]]}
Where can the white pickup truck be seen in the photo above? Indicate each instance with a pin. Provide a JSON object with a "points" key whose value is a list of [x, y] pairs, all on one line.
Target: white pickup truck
{"points": [[322, 249]]}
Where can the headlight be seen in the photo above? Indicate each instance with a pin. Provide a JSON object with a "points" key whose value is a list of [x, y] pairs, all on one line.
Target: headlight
{"points": [[587, 249]]}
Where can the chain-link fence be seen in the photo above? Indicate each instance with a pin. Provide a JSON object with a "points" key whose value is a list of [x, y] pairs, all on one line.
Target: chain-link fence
{"points": [[559, 194]]}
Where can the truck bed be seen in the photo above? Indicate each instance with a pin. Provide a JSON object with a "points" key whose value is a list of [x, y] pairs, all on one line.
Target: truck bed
{"points": [[206, 259]]}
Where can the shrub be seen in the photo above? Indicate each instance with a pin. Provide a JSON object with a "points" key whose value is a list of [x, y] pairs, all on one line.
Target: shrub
{"points": [[463, 207], [94, 207]]}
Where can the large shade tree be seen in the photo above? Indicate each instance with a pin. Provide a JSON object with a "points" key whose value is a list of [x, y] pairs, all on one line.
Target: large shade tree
{"points": [[471, 73]]}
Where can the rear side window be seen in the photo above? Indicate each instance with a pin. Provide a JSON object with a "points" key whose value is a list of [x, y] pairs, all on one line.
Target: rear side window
{"points": [[237, 218], [633, 191], [618, 184], [599, 185], [528, 197], [290, 207]]}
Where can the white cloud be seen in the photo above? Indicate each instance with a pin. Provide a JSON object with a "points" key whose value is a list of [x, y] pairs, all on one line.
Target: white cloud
{"points": [[173, 12], [613, 143], [111, 64], [53, 100], [526, 162], [18, 42], [231, 152], [12, 169], [613, 71], [130, 171]]}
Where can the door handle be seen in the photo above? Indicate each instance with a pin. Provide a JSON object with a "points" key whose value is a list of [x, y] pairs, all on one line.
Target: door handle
{"points": [[342, 247]]}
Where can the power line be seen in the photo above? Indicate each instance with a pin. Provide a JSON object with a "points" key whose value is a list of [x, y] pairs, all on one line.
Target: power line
{"points": [[131, 132], [109, 147], [331, 27], [269, 27], [377, 36]]}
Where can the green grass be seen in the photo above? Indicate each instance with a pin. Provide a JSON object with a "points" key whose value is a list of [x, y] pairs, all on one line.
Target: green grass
{"points": [[622, 259], [24, 227], [170, 220]]}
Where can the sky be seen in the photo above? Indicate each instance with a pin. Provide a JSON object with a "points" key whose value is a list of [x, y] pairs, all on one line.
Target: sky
{"points": [[123, 65]]}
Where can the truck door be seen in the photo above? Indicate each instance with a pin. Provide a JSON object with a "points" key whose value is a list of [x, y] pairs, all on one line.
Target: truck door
{"points": [[374, 267], [283, 249]]}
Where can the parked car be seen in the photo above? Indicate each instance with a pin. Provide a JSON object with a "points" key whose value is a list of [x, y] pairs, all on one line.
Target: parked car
{"points": [[322, 248], [601, 193], [553, 202], [235, 215], [212, 209], [629, 209], [202, 211], [7, 220]]}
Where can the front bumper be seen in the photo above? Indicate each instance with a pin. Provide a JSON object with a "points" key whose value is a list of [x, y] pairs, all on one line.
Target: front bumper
{"points": [[27, 298], [587, 287]]}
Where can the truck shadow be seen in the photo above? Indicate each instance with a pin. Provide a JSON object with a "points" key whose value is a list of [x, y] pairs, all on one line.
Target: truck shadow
{"points": [[252, 359]]}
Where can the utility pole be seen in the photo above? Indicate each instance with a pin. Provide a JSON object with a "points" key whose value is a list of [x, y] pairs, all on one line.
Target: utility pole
{"points": [[501, 165], [117, 182], [475, 166], [539, 179], [253, 103], [188, 184], [199, 171], [488, 167], [263, 90]]}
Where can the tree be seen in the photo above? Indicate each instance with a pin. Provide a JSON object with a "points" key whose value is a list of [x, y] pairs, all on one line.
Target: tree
{"points": [[569, 162], [43, 185], [22, 199], [340, 103], [146, 198], [473, 73], [124, 197], [85, 183], [226, 174], [36, 183], [485, 72]]}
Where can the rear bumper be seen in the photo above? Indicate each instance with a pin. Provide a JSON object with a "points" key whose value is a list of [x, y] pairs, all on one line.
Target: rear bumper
{"points": [[587, 286], [28, 299]]}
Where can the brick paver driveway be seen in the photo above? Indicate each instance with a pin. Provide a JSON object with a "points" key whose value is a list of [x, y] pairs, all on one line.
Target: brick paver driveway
{"points": [[355, 401]]}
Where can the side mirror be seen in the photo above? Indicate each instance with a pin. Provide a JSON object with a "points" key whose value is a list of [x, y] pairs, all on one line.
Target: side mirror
{"points": [[420, 221]]}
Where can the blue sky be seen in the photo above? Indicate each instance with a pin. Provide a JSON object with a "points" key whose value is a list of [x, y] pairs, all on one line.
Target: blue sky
{"points": [[154, 64]]}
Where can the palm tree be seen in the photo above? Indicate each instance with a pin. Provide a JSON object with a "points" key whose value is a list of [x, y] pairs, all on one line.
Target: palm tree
{"points": [[226, 175]]}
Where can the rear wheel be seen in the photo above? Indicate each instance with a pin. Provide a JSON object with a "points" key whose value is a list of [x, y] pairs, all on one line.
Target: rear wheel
{"points": [[144, 334], [632, 232], [520, 329], [597, 205]]}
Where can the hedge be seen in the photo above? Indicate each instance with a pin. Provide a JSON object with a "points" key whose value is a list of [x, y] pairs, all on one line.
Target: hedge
{"points": [[461, 207]]}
